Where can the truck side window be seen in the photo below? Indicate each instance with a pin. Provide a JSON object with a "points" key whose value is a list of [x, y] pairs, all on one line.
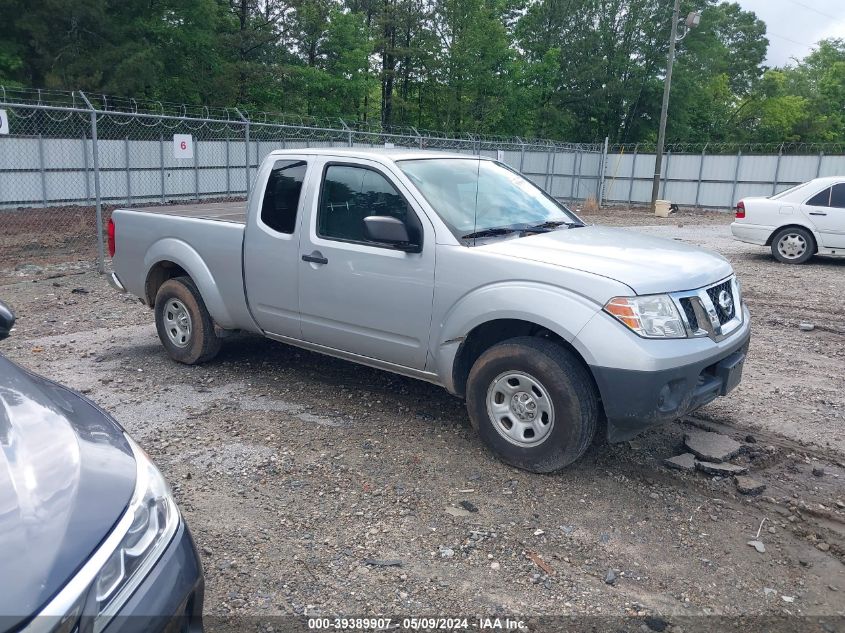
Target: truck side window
{"points": [[281, 198], [837, 196], [350, 194], [821, 199]]}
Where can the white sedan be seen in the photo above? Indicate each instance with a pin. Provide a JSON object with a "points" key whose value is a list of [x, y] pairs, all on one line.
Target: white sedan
{"points": [[798, 223]]}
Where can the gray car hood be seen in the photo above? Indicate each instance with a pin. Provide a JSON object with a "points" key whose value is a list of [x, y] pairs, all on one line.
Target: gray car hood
{"points": [[67, 474], [646, 264]]}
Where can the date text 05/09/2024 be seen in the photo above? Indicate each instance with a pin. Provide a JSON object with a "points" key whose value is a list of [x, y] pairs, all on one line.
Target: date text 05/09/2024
{"points": [[416, 624]]}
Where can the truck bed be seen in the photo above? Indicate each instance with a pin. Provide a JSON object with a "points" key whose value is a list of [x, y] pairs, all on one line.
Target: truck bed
{"points": [[234, 212], [204, 239]]}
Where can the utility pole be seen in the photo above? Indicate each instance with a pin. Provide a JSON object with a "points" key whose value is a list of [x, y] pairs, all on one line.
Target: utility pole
{"points": [[691, 22]]}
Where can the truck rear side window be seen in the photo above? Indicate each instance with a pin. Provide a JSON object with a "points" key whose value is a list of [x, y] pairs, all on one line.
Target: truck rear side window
{"points": [[281, 198], [350, 194]]}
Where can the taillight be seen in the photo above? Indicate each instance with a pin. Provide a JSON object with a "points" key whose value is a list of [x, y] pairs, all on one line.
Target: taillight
{"points": [[111, 237], [740, 210]]}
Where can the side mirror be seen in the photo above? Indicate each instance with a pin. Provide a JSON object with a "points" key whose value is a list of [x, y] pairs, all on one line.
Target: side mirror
{"points": [[7, 320], [385, 229]]}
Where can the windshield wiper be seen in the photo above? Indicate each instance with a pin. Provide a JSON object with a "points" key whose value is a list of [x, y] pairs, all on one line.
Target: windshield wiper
{"points": [[550, 225], [502, 230]]}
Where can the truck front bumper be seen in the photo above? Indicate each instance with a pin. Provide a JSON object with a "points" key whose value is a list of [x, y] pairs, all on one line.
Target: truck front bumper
{"points": [[635, 400]]}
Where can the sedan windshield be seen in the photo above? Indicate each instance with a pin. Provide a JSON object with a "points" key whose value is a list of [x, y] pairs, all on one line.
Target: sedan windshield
{"points": [[482, 198]]}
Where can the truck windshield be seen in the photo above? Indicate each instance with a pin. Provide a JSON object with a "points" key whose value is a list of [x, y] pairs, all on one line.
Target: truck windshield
{"points": [[481, 198]]}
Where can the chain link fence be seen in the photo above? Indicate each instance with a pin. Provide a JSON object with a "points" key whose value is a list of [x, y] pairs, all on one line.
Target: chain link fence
{"points": [[67, 159], [716, 175]]}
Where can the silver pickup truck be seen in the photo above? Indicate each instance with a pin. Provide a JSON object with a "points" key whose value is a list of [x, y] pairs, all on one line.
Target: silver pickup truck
{"points": [[455, 270]]}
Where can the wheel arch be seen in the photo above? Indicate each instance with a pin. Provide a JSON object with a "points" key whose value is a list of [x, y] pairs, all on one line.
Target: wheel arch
{"points": [[169, 258], [795, 225], [492, 332]]}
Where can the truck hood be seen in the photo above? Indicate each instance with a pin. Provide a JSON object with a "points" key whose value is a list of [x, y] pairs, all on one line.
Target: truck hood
{"points": [[646, 264], [67, 474]]}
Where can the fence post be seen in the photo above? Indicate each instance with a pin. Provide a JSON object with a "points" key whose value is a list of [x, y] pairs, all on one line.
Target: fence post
{"points": [[602, 169], [87, 169], [548, 163], [521, 155], [128, 176], [580, 157], [196, 170], [819, 164], [161, 166], [101, 256], [633, 175], [228, 162], [700, 174], [736, 178], [777, 170], [552, 175], [246, 149], [41, 170]]}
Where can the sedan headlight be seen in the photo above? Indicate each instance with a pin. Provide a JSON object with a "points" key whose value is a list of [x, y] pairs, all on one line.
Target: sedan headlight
{"points": [[651, 316], [150, 522]]}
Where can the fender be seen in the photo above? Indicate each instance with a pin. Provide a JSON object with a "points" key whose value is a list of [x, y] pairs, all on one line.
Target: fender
{"points": [[184, 255], [560, 311]]}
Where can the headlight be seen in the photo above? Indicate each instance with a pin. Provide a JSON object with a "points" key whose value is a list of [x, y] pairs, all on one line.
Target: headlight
{"points": [[154, 519], [652, 316]]}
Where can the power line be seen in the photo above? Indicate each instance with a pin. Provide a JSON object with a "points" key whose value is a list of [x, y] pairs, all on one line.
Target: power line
{"points": [[807, 6], [789, 39]]}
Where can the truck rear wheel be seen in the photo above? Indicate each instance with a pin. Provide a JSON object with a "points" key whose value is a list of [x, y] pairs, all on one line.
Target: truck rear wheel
{"points": [[533, 404], [183, 322]]}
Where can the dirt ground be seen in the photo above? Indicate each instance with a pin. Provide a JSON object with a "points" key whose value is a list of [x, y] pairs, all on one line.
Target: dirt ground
{"points": [[314, 486]]}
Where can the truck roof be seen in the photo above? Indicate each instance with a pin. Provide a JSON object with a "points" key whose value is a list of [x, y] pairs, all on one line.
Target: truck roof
{"points": [[392, 154]]}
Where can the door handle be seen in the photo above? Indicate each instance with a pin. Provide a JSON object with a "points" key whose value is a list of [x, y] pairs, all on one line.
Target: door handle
{"points": [[817, 213], [315, 258]]}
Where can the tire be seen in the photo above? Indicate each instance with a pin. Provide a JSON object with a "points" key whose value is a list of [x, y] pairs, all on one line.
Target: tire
{"points": [[184, 325], [793, 245], [557, 384]]}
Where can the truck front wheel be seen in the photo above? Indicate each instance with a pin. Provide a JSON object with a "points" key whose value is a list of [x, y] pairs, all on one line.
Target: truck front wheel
{"points": [[183, 322], [533, 404]]}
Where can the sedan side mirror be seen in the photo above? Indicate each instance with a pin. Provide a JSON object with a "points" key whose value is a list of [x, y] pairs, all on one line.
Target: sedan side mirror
{"points": [[7, 320], [386, 229]]}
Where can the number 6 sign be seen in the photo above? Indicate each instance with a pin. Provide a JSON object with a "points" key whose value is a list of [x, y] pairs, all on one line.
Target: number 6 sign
{"points": [[183, 146], [4, 122]]}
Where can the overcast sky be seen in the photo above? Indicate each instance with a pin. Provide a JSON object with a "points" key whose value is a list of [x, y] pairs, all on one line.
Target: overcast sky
{"points": [[793, 26]]}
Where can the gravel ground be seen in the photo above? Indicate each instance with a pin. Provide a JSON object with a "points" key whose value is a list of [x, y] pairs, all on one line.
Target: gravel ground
{"points": [[303, 476]]}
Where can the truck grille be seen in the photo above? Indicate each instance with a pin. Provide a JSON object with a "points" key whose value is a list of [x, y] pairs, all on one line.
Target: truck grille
{"points": [[689, 311], [714, 311], [723, 301]]}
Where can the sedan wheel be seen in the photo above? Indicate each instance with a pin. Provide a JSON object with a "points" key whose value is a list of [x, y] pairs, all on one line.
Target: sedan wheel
{"points": [[793, 245]]}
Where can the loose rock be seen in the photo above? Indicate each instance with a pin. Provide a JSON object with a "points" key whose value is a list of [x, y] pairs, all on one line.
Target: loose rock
{"points": [[610, 578], [681, 462], [748, 485], [758, 545], [711, 447], [818, 471], [723, 469], [806, 326]]}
